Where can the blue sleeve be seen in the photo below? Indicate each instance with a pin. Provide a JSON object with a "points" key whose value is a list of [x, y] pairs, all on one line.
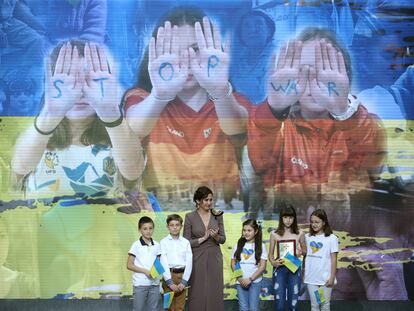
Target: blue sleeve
{"points": [[153, 200], [23, 13], [346, 24], [94, 24], [403, 92]]}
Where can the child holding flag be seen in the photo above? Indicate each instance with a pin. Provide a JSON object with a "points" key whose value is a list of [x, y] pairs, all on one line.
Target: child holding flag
{"points": [[289, 243], [177, 258], [248, 263], [143, 260], [320, 261]]}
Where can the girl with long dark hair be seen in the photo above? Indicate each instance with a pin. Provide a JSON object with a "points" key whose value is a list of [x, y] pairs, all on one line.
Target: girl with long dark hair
{"points": [[284, 280], [250, 255]]}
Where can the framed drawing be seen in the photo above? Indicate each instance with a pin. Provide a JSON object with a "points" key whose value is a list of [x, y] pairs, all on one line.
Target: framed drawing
{"points": [[286, 246]]}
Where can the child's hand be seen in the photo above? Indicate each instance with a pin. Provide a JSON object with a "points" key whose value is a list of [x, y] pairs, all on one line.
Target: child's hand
{"points": [[329, 83], [148, 274], [244, 282], [211, 66], [299, 252], [278, 262], [181, 287], [101, 85], [174, 288], [168, 70], [63, 87], [330, 282], [288, 80]]}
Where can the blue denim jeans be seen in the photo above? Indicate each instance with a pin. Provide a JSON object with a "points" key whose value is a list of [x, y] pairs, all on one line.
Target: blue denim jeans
{"points": [[249, 298], [286, 285]]}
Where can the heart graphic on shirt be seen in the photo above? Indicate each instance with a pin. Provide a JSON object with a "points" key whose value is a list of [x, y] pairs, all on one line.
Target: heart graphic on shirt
{"points": [[315, 246], [247, 253]]}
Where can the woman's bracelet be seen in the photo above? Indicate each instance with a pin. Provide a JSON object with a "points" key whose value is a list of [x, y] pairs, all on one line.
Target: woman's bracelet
{"points": [[40, 131], [229, 92], [116, 122]]}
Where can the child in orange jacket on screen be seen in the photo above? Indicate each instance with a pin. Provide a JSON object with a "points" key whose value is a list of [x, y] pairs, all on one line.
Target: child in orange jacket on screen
{"points": [[312, 142]]}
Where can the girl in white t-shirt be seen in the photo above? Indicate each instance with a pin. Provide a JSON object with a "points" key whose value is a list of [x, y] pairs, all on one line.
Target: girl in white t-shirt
{"points": [[251, 254], [286, 238], [320, 261]]}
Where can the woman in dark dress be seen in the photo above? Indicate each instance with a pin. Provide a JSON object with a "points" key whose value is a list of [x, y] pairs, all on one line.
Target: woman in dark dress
{"points": [[204, 228]]}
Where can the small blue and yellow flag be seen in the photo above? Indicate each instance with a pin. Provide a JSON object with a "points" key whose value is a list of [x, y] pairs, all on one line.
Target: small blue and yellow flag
{"points": [[157, 268], [237, 273], [292, 262], [320, 296], [168, 298]]}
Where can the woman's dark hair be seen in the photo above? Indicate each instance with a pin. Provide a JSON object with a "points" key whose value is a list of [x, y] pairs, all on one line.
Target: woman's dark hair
{"points": [[321, 214], [179, 16], [313, 33], [201, 193], [257, 241], [287, 210], [269, 22], [62, 136]]}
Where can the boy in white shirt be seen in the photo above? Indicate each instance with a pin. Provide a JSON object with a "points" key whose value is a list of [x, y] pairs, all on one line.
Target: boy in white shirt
{"points": [[141, 257], [177, 260]]}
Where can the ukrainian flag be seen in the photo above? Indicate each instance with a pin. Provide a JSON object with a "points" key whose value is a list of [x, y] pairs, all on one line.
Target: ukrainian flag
{"points": [[320, 297], [237, 273], [168, 298], [291, 262], [157, 268]]}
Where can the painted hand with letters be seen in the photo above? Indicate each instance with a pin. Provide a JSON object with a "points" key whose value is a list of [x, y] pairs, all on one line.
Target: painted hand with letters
{"points": [[288, 81], [100, 83], [62, 88], [329, 82], [211, 65], [168, 65]]}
